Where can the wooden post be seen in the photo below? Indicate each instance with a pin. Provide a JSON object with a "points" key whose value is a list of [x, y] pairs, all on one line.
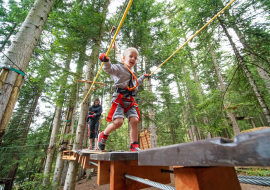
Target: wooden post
{"points": [[103, 172], [11, 103], [3, 77], [209, 178], [118, 170]]}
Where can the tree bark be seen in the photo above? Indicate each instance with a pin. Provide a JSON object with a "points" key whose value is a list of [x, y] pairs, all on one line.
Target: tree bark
{"points": [[64, 173], [253, 84], [62, 147], [199, 89], [52, 146], [223, 89], [20, 52], [191, 106], [56, 125], [73, 165], [151, 112]]}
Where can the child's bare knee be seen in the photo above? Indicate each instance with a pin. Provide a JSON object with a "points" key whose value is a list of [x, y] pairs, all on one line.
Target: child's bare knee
{"points": [[118, 122], [134, 120]]}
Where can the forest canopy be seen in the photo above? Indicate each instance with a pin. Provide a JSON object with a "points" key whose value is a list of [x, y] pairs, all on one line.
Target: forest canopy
{"points": [[216, 86]]}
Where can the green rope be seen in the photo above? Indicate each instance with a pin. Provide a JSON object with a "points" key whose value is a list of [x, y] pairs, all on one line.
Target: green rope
{"points": [[11, 68]]}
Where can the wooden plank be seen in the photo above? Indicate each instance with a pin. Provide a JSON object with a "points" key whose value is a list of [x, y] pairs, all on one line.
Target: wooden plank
{"points": [[103, 174], [80, 159], [86, 152], [247, 149], [212, 178], [119, 168], [115, 156], [86, 165], [68, 158]]}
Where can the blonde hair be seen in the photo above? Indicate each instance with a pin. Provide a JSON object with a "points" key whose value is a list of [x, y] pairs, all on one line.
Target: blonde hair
{"points": [[129, 50]]}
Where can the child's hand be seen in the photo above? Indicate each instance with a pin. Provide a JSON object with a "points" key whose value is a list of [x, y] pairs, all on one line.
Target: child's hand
{"points": [[147, 76], [103, 58]]}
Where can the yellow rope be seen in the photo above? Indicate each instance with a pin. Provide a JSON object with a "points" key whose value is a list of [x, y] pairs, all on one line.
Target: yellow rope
{"points": [[193, 36], [121, 22]]}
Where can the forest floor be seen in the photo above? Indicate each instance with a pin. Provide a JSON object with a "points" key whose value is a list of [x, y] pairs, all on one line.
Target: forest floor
{"points": [[92, 184]]}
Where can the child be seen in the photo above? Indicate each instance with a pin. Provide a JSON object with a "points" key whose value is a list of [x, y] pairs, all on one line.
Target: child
{"points": [[122, 102], [94, 122]]}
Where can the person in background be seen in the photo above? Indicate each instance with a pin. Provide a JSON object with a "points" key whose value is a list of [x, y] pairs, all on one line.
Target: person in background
{"points": [[94, 123]]}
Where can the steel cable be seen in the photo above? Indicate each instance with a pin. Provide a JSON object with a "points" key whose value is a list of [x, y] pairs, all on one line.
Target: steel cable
{"points": [[148, 182]]}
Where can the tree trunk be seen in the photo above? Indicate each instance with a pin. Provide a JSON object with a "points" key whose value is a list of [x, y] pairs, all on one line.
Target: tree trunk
{"points": [[191, 106], [30, 115], [199, 89], [263, 74], [151, 112], [12, 173], [20, 52], [248, 75], [56, 125], [223, 89], [185, 114], [52, 146], [64, 173], [62, 147], [73, 165]]}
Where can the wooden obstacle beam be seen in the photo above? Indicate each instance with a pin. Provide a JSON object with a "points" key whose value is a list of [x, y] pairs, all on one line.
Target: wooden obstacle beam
{"points": [[69, 155], [209, 164], [83, 157], [201, 165], [247, 149]]}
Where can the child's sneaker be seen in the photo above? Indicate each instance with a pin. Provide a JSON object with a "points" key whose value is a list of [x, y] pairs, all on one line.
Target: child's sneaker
{"points": [[90, 148], [134, 147], [102, 140]]}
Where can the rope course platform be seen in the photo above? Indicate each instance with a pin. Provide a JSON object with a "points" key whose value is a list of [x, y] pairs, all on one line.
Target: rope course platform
{"points": [[201, 165]]}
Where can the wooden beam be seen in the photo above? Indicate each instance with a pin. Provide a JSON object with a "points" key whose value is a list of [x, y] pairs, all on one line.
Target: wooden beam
{"points": [[247, 149], [212, 178], [115, 156], [119, 168], [103, 174]]}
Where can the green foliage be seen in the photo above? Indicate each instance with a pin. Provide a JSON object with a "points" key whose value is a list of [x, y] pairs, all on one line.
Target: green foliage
{"points": [[186, 90]]}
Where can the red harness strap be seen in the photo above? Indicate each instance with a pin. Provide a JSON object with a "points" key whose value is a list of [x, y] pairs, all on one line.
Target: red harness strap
{"points": [[117, 101]]}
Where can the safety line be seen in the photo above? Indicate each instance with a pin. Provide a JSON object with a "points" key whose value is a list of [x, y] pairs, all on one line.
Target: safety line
{"points": [[193, 36], [121, 22]]}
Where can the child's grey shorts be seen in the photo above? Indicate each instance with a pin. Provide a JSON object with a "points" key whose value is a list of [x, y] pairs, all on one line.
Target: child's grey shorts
{"points": [[119, 112]]}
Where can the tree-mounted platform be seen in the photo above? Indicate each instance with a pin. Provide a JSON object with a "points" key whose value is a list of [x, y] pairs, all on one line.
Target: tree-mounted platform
{"points": [[202, 165]]}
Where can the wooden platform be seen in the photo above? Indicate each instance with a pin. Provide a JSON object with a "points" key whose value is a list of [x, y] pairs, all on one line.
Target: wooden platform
{"points": [[247, 149], [202, 165]]}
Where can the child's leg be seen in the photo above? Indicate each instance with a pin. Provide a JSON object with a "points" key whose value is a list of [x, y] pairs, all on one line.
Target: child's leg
{"points": [[134, 121], [117, 123], [90, 142]]}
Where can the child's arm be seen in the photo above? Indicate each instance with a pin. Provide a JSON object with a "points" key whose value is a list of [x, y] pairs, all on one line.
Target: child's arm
{"points": [[108, 67], [141, 79]]}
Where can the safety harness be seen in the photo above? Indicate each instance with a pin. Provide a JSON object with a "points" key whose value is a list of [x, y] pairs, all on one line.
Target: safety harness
{"points": [[124, 93]]}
